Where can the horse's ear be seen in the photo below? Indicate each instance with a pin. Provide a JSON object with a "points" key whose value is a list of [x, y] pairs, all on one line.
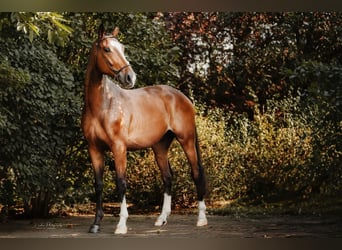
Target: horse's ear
{"points": [[101, 32], [115, 31]]}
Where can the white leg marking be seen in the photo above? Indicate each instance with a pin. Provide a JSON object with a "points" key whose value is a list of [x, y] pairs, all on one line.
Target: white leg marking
{"points": [[166, 211], [121, 228], [202, 220]]}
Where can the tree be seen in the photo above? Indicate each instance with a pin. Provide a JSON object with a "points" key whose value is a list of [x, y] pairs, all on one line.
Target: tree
{"points": [[235, 61], [50, 25], [43, 157], [266, 45], [39, 110], [238, 60]]}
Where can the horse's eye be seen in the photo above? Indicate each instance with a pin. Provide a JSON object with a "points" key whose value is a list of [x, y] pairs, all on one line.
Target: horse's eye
{"points": [[106, 49]]}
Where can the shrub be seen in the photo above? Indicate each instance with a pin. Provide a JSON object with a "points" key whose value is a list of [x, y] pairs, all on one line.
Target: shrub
{"points": [[288, 152], [291, 151], [37, 125]]}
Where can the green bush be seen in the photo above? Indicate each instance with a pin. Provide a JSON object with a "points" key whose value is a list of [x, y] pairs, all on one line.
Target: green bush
{"points": [[38, 120], [289, 152]]}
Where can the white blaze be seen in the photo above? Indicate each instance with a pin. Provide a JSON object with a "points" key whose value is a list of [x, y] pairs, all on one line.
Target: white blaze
{"points": [[118, 46]]}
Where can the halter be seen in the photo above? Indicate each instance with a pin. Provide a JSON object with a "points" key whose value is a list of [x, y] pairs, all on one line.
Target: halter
{"points": [[116, 72]]}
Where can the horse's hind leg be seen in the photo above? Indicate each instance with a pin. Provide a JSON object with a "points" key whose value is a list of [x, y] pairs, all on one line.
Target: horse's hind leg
{"points": [[160, 152], [191, 149]]}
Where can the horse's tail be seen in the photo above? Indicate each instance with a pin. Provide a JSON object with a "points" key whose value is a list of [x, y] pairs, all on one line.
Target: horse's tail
{"points": [[202, 177], [198, 151]]}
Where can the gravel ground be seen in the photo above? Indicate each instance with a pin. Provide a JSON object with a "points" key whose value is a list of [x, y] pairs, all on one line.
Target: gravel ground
{"points": [[179, 226]]}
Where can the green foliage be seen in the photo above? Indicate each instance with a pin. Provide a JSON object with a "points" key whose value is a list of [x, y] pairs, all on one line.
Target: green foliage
{"points": [[283, 69], [278, 155], [50, 24], [43, 155], [322, 83], [154, 58], [11, 79], [231, 58], [290, 152], [41, 121]]}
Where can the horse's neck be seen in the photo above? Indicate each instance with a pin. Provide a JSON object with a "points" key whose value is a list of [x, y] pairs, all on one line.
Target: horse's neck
{"points": [[98, 87], [92, 84], [92, 80]]}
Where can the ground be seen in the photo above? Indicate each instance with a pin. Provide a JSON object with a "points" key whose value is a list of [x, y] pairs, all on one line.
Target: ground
{"points": [[180, 226]]}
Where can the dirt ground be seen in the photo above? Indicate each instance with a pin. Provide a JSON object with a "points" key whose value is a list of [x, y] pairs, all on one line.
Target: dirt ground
{"points": [[179, 226]]}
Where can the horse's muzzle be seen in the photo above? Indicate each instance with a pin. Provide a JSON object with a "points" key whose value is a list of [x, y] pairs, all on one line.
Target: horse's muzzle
{"points": [[127, 78]]}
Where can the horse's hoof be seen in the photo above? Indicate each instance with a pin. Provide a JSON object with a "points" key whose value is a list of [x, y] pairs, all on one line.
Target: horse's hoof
{"points": [[121, 230], [160, 222], [94, 229], [202, 222]]}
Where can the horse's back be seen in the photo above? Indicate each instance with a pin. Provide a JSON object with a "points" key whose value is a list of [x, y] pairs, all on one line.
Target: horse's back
{"points": [[169, 95], [180, 109]]}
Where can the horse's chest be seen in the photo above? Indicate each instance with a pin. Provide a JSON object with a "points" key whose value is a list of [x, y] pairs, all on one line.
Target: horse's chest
{"points": [[105, 129]]}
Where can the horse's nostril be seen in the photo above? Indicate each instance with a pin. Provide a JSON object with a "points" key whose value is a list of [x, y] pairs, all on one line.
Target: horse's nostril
{"points": [[130, 78]]}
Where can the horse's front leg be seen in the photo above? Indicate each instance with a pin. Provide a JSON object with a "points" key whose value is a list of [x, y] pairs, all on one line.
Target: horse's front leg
{"points": [[97, 160], [120, 167]]}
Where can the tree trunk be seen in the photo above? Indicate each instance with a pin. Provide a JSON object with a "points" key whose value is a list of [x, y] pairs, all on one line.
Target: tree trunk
{"points": [[39, 206]]}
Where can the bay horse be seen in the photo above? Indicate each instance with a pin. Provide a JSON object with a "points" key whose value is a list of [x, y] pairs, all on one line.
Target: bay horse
{"points": [[121, 119]]}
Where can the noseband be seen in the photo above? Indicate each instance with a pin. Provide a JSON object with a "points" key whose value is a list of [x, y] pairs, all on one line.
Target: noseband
{"points": [[116, 72]]}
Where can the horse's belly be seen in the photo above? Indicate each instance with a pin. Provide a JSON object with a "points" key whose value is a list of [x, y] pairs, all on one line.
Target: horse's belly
{"points": [[146, 137]]}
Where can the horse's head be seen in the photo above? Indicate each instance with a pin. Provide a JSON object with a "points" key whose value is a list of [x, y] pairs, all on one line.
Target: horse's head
{"points": [[111, 60]]}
